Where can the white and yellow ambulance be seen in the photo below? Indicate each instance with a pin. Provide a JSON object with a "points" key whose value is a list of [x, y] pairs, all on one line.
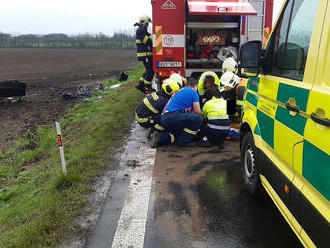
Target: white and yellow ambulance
{"points": [[285, 129]]}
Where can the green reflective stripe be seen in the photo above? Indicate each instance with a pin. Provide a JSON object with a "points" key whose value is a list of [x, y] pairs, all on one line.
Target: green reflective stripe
{"points": [[149, 53], [253, 84], [266, 125], [316, 168], [141, 120], [252, 99], [141, 54], [150, 37], [145, 40], [158, 127], [299, 94], [256, 130], [190, 131], [138, 42], [154, 96], [297, 123], [218, 117], [149, 106], [172, 138]]}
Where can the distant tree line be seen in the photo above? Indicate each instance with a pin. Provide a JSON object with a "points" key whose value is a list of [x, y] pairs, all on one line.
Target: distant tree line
{"points": [[123, 40]]}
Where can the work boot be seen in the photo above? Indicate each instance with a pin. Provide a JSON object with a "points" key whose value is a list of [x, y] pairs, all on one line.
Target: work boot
{"points": [[154, 139], [150, 133], [204, 142]]}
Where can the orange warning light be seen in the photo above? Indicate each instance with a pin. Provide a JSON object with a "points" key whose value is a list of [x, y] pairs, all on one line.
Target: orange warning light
{"points": [[286, 189]]}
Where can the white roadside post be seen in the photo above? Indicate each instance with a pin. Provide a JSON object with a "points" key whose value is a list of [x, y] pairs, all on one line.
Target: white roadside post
{"points": [[60, 146]]}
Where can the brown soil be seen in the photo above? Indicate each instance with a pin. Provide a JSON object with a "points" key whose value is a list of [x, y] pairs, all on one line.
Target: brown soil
{"points": [[46, 71]]}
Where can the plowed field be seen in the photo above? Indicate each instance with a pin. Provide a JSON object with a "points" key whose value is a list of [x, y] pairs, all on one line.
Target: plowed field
{"points": [[47, 71]]}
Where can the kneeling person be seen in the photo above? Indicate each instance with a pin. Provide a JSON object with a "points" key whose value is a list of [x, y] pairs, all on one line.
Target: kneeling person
{"points": [[181, 117], [217, 124], [148, 112]]}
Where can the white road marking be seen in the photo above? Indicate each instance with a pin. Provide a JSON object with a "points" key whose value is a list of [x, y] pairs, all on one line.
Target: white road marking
{"points": [[131, 227]]}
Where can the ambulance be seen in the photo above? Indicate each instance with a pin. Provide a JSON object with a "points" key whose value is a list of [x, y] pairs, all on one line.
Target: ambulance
{"points": [[285, 128], [194, 36]]}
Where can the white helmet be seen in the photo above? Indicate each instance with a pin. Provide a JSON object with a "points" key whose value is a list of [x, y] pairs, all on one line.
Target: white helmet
{"points": [[178, 78], [144, 19], [229, 79], [229, 65]]}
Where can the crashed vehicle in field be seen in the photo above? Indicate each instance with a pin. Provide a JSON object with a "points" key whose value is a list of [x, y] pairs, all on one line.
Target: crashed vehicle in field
{"points": [[194, 36], [12, 89]]}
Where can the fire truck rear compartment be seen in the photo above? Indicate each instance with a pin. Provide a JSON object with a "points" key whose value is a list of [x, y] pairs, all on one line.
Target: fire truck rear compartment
{"points": [[210, 41]]}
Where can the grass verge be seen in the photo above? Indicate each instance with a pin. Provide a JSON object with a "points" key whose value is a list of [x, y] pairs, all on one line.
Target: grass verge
{"points": [[38, 203]]}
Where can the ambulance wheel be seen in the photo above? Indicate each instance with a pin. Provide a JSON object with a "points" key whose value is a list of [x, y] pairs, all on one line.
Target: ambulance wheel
{"points": [[249, 166]]}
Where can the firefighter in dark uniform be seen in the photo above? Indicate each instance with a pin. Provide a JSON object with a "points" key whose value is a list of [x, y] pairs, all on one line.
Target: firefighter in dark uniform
{"points": [[144, 53], [148, 112]]}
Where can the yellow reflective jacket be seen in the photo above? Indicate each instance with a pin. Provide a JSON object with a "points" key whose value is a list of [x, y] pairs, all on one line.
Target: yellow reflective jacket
{"points": [[215, 109], [201, 90]]}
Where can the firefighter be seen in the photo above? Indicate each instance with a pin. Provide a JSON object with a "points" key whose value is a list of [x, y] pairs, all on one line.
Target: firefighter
{"points": [[148, 112], [181, 117], [144, 53], [229, 64]]}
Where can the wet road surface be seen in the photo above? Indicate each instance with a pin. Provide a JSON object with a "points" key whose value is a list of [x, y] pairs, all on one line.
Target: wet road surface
{"points": [[197, 199]]}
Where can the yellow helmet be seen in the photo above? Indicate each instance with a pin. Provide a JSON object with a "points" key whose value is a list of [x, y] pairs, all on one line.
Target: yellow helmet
{"points": [[144, 19], [178, 78], [229, 65], [229, 79], [170, 86]]}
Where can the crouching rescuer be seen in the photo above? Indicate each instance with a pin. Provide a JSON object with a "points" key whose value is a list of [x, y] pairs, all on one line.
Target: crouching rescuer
{"points": [[148, 112], [181, 118], [144, 53]]}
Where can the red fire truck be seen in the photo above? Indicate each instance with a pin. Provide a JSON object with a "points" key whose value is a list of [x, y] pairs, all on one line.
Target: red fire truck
{"points": [[193, 36]]}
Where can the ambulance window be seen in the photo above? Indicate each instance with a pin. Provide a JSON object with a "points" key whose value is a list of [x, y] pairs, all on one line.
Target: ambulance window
{"points": [[288, 49]]}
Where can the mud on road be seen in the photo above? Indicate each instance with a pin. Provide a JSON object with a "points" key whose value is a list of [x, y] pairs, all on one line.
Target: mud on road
{"points": [[47, 71]]}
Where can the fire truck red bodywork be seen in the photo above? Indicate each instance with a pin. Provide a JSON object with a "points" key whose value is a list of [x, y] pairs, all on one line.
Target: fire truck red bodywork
{"points": [[170, 22]]}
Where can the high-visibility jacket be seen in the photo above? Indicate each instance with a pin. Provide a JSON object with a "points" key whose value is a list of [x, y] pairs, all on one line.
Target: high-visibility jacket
{"points": [[201, 90], [143, 43], [152, 104], [215, 109]]}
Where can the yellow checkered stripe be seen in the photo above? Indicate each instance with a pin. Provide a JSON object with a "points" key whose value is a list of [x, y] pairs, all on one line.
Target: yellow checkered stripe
{"points": [[159, 41]]}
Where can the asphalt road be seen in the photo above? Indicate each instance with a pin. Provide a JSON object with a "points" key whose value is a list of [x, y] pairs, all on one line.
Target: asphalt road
{"points": [[196, 198]]}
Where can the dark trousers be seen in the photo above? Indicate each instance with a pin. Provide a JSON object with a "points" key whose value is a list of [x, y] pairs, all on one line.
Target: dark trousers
{"points": [[149, 121], [180, 127], [149, 73], [215, 130]]}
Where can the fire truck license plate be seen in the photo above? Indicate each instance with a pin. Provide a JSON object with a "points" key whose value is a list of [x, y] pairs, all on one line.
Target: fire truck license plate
{"points": [[169, 64]]}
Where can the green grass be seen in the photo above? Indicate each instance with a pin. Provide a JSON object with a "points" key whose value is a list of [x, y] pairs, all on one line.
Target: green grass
{"points": [[38, 203]]}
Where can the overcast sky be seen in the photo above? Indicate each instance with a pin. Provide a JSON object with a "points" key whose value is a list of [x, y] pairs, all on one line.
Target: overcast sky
{"points": [[73, 16]]}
